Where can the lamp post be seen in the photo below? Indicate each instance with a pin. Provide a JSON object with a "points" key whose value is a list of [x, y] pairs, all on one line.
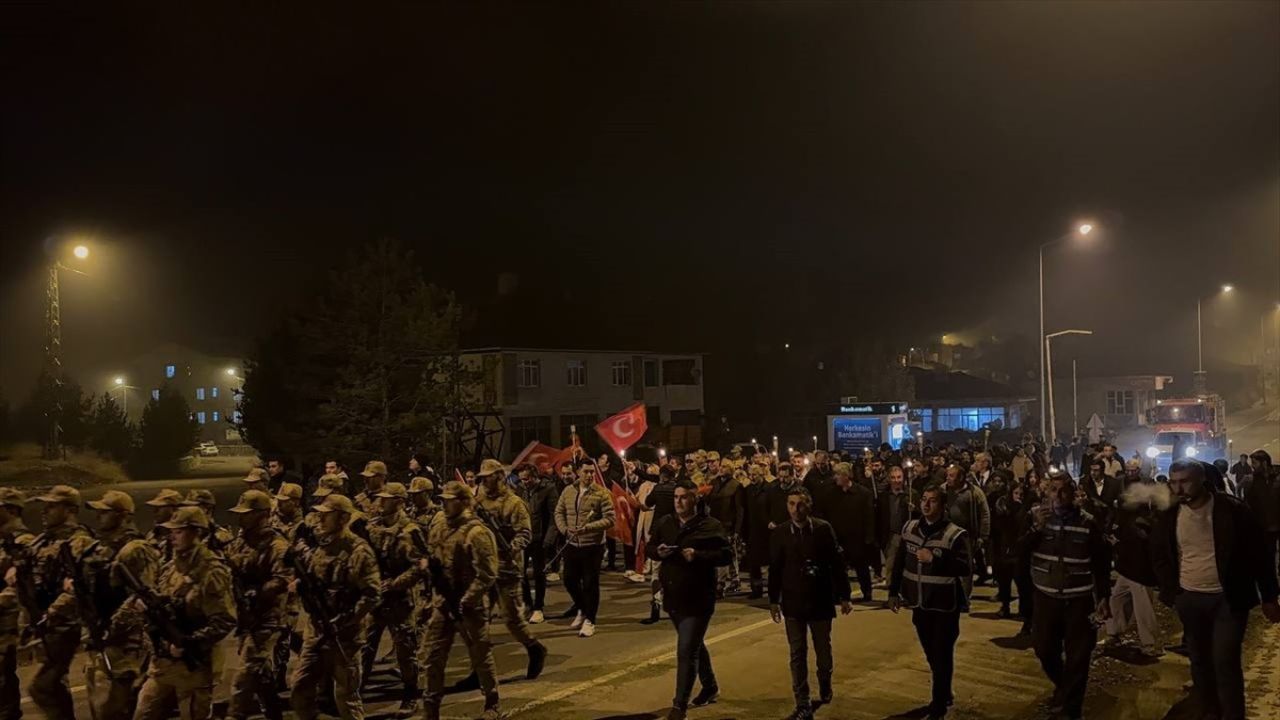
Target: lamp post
{"points": [[1200, 385], [124, 394], [53, 345], [1048, 353], [1081, 230]]}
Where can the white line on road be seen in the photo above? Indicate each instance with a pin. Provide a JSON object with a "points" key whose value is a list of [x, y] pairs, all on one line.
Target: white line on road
{"points": [[610, 677]]}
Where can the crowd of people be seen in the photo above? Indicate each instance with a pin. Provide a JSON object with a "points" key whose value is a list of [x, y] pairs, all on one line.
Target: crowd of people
{"points": [[320, 569]]}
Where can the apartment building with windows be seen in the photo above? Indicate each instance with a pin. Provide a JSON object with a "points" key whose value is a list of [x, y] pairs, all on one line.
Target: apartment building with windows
{"points": [[208, 383], [542, 393]]}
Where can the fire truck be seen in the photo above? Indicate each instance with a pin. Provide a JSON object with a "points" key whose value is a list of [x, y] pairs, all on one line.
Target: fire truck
{"points": [[1187, 427]]}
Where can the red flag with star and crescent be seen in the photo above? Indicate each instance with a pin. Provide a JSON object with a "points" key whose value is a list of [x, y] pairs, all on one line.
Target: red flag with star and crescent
{"points": [[625, 429]]}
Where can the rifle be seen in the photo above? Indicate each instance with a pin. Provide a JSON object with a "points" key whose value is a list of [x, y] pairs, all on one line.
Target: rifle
{"points": [[504, 542], [312, 593], [26, 587], [438, 583], [165, 623], [86, 600]]}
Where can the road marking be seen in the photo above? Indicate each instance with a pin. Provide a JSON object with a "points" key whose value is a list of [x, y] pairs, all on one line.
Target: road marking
{"points": [[75, 689], [629, 670]]}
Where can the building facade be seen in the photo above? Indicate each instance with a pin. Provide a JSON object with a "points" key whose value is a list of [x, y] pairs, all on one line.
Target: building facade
{"points": [[208, 383], [1121, 401], [544, 394]]}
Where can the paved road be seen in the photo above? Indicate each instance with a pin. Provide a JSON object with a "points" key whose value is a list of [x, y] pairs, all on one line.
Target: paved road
{"points": [[1257, 428], [625, 671]]}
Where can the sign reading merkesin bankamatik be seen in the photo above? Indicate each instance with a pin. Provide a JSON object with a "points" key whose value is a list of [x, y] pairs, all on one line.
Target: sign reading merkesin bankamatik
{"points": [[852, 434]]}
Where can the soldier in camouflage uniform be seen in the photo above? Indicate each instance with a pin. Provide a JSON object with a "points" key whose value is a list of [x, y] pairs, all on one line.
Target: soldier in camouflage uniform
{"points": [[56, 612], [286, 520], [166, 503], [198, 584], [261, 585], [508, 512], [421, 507], [464, 554], [257, 479], [114, 672], [219, 536], [393, 547], [288, 511], [343, 568], [375, 477], [14, 539]]}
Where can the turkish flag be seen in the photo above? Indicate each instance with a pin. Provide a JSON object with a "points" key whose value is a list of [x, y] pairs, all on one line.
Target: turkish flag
{"points": [[543, 457], [624, 429], [623, 509]]}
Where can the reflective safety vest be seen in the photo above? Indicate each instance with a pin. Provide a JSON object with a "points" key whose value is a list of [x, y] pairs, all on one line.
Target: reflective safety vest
{"points": [[920, 588], [1061, 566]]}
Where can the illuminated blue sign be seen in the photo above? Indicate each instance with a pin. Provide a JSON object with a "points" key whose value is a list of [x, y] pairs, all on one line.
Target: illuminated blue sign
{"points": [[852, 434]]}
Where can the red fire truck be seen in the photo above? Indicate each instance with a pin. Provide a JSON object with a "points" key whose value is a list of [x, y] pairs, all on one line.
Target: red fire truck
{"points": [[1187, 427]]}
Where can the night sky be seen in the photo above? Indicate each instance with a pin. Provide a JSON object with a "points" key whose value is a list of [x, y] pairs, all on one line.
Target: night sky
{"points": [[689, 176]]}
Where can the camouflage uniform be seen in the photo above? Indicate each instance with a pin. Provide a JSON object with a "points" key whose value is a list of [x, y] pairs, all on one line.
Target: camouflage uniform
{"points": [[366, 501], [261, 592], [463, 549], [14, 538], [158, 536], [512, 518], [219, 536], [398, 565], [112, 676], [61, 617], [198, 583], [422, 515], [344, 567], [288, 529]]}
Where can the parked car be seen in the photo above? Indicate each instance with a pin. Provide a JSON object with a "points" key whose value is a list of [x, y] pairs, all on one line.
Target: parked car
{"points": [[207, 449]]}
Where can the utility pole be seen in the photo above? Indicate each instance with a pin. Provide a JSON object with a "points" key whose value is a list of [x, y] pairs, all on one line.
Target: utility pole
{"points": [[52, 365]]}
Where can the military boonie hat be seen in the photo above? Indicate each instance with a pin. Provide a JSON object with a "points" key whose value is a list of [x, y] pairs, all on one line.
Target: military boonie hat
{"points": [[374, 467], [392, 490], [200, 497], [252, 500], [113, 500], [187, 516], [454, 489], [12, 497], [62, 494], [490, 467], [336, 503], [257, 475], [420, 485], [289, 491], [328, 484], [166, 498]]}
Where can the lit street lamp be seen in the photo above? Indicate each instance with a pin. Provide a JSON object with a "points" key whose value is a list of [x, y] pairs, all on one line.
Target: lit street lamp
{"points": [[1081, 230], [1200, 384], [1048, 353], [53, 342], [124, 394]]}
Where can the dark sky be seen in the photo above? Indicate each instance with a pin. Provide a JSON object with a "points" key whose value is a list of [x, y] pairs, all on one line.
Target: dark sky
{"points": [[703, 176]]}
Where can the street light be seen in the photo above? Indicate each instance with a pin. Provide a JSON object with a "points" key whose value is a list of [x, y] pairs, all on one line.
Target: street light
{"points": [[124, 389], [1200, 384], [1081, 230], [1048, 352], [53, 340]]}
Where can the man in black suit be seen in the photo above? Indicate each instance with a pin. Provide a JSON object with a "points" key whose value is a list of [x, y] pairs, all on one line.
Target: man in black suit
{"points": [[1208, 558], [1102, 493], [807, 579]]}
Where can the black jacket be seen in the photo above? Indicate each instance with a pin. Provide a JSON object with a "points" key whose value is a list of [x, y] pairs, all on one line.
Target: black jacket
{"points": [[1103, 506], [852, 517], [1263, 498], [884, 512], [820, 485], [1237, 543], [1132, 530], [757, 497], [541, 499], [724, 503], [807, 573], [662, 498], [689, 586]]}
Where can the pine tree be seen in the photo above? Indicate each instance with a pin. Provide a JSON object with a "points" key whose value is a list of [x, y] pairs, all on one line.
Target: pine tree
{"points": [[167, 433], [110, 434]]}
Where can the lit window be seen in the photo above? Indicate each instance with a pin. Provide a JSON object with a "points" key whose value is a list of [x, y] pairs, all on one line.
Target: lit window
{"points": [[155, 395], [621, 373], [199, 393], [214, 391], [237, 417], [530, 373], [170, 370], [215, 416], [577, 373], [200, 417]]}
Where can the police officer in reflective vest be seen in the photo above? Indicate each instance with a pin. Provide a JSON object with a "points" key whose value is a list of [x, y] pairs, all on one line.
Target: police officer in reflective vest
{"points": [[1071, 571], [933, 561]]}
